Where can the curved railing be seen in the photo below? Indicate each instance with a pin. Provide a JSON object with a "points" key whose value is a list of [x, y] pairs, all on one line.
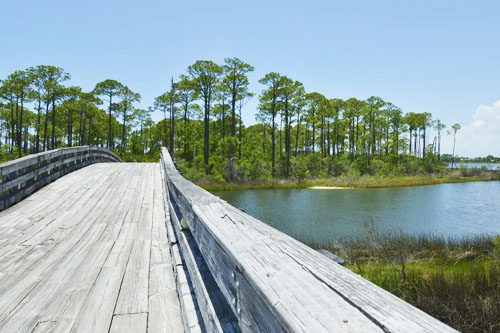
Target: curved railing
{"points": [[235, 273], [21, 177]]}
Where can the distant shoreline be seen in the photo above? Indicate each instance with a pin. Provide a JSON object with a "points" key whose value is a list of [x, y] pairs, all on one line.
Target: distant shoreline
{"points": [[342, 183], [329, 188]]}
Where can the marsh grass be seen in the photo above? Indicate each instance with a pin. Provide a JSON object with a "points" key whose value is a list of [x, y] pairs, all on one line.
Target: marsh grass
{"points": [[456, 281], [456, 176]]}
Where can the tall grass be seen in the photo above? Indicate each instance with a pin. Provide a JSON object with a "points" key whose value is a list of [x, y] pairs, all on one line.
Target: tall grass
{"points": [[456, 281], [366, 181]]}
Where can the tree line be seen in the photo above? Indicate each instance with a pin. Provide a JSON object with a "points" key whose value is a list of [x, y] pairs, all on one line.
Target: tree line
{"points": [[298, 133]]}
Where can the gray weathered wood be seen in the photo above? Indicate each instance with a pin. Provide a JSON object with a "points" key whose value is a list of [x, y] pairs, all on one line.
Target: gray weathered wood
{"points": [[136, 247], [129, 323], [274, 283], [84, 254], [21, 177]]}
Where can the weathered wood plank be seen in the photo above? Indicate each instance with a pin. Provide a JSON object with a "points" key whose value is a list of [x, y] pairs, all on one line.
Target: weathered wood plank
{"points": [[129, 323], [275, 283], [20, 178], [49, 281], [164, 309], [204, 301], [84, 249]]}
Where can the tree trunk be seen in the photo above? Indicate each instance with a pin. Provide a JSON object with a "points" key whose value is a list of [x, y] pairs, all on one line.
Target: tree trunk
{"points": [[12, 125], [15, 135], [415, 138], [287, 139], [186, 106], [234, 94], [206, 141], [240, 134], [110, 123], [124, 126], [372, 128], [20, 129], [223, 117], [81, 134], [53, 136], [357, 136], [439, 145], [70, 128], [423, 147], [297, 135], [328, 140], [46, 126], [313, 131], [38, 120], [26, 136], [322, 138], [273, 143], [89, 131], [172, 126], [410, 139], [453, 155]]}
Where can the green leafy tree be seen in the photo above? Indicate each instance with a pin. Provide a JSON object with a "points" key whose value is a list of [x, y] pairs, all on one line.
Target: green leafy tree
{"points": [[19, 84], [186, 93], [236, 81], [55, 93], [269, 107], [205, 75], [109, 89], [288, 94], [315, 101], [439, 128], [41, 75], [125, 110]]}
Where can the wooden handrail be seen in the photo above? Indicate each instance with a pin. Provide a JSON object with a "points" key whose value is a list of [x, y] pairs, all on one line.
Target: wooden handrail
{"points": [[23, 176], [268, 281]]}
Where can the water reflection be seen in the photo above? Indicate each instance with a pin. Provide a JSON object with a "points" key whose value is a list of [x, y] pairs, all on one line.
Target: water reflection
{"points": [[449, 210]]}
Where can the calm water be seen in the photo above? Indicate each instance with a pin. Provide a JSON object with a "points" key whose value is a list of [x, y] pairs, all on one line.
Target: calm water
{"points": [[449, 210], [487, 166]]}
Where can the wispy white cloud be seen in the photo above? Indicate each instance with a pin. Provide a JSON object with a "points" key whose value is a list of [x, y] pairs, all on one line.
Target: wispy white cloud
{"points": [[480, 137]]}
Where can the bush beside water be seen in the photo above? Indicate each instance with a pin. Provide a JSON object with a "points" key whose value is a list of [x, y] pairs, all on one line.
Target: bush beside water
{"points": [[455, 281]]}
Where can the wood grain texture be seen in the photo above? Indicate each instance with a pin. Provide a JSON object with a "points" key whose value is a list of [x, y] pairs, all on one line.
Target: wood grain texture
{"points": [[89, 253], [136, 247], [274, 283], [129, 323], [21, 177]]}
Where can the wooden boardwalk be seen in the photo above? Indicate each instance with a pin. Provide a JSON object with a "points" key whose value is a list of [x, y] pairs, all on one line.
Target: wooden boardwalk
{"points": [[89, 253], [136, 247]]}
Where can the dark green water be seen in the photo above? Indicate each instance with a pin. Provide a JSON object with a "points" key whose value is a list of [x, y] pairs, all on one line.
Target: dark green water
{"points": [[448, 210]]}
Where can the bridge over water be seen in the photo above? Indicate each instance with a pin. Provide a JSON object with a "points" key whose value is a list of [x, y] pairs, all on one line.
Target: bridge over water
{"points": [[135, 247]]}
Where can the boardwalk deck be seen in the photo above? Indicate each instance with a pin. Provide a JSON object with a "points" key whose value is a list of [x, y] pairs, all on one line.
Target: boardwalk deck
{"points": [[89, 253]]}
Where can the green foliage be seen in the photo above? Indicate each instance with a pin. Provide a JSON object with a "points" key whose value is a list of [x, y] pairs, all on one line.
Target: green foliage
{"points": [[299, 135], [300, 169], [456, 281]]}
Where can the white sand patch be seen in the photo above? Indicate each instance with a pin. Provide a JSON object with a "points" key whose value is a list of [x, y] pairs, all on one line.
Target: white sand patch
{"points": [[328, 188]]}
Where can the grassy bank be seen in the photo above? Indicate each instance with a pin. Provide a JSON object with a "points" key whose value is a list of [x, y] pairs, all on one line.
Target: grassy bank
{"points": [[346, 182], [457, 282]]}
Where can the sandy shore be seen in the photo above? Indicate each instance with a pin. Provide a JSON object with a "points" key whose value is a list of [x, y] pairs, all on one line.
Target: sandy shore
{"points": [[328, 188]]}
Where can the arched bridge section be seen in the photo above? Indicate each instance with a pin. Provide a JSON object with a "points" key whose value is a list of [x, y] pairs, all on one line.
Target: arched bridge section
{"points": [[21, 177]]}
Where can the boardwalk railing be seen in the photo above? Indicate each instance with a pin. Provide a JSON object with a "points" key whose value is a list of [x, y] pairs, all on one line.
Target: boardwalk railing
{"points": [[21, 177], [235, 273]]}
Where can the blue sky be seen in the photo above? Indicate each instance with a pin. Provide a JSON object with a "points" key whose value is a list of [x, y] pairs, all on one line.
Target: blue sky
{"points": [[436, 56]]}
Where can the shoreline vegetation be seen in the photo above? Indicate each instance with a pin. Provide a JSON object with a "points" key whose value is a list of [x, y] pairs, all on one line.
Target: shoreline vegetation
{"points": [[456, 281], [349, 182], [300, 138]]}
